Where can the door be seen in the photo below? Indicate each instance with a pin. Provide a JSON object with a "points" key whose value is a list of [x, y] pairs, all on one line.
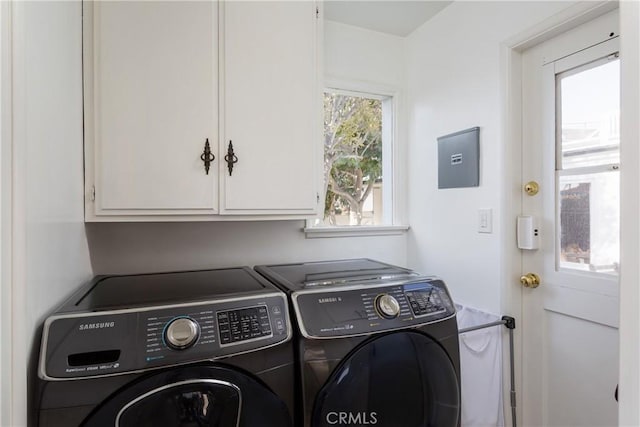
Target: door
{"points": [[151, 107], [571, 102], [401, 379], [270, 98]]}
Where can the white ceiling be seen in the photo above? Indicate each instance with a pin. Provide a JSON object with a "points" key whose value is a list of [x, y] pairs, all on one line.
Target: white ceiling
{"points": [[398, 17]]}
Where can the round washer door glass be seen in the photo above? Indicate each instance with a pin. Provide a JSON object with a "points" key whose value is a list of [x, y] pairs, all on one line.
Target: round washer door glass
{"points": [[204, 402], [194, 396], [401, 379]]}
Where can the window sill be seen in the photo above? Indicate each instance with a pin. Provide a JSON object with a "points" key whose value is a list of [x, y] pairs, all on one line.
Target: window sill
{"points": [[354, 231]]}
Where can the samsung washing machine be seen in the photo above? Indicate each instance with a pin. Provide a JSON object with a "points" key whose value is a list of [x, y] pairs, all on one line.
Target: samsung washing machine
{"points": [[200, 348], [376, 344]]}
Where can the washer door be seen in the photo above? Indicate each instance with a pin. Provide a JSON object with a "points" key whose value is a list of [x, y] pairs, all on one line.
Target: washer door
{"points": [[401, 379], [197, 396]]}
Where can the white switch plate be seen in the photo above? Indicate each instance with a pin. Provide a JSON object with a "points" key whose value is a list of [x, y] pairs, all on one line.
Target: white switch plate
{"points": [[485, 221]]}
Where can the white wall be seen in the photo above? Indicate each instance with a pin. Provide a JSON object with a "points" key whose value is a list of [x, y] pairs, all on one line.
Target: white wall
{"points": [[133, 247], [349, 54], [453, 83], [353, 53], [50, 252]]}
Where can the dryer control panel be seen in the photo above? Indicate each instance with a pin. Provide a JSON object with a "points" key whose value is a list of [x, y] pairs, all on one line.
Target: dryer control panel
{"points": [[108, 343], [359, 310]]}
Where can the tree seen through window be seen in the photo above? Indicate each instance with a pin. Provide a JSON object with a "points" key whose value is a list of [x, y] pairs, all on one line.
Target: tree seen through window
{"points": [[352, 159]]}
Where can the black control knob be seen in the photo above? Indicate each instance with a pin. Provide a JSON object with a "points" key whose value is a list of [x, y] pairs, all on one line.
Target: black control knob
{"points": [[181, 333], [387, 306]]}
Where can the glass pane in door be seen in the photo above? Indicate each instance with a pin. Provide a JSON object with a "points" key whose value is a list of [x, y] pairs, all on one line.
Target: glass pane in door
{"points": [[589, 110], [589, 229], [588, 156]]}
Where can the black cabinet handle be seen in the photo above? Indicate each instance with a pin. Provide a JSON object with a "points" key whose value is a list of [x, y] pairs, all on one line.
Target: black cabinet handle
{"points": [[230, 158], [207, 156]]}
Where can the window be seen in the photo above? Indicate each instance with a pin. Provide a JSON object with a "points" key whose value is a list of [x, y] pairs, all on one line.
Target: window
{"points": [[588, 157], [358, 133]]}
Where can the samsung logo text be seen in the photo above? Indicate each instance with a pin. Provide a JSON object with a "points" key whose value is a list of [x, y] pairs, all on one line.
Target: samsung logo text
{"points": [[329, 299], [101, 325]]}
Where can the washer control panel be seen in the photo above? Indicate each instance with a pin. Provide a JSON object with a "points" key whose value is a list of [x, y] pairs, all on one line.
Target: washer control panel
{"points": [[244, 324], [107, 343], [427, 302], [359, 310]]}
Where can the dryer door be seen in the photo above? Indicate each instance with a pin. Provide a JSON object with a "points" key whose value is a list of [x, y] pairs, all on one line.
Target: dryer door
{"points": [[197, 396], [400, 379]]}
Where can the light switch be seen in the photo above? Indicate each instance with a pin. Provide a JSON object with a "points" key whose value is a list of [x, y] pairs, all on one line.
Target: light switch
{"points": [[485, 221]]}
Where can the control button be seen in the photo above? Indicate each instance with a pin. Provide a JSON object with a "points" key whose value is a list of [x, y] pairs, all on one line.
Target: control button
{"points": [[279, 325], [276, 309], [387, 306], [182, 333]]}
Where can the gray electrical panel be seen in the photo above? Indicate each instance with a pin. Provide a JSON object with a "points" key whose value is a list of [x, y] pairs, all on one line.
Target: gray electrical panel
{"points": [[459, 159]]}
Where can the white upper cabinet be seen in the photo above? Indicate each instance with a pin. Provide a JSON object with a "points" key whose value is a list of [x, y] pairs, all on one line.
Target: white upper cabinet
{"points": [[269, 103], [164, 78], [151, 102]]}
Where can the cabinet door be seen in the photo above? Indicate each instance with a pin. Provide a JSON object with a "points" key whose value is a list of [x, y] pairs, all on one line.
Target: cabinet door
{"points": [[270, 107], [151, 103]]}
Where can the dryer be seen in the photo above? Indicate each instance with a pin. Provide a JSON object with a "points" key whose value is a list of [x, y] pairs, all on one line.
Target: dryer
{"points": [[198, 348], [376, 344]]}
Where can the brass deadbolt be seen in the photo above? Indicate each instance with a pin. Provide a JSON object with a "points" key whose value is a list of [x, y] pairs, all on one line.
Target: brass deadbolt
{"points": [[530, 280], [531, 188]]}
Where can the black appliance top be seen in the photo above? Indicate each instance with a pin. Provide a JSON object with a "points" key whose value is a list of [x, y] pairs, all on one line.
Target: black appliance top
{"points": [[294, 277], [141, 290]]}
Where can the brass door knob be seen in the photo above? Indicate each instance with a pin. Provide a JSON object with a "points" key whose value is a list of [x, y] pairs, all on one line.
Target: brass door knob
{"points": [[531, 188], [530, 280]]}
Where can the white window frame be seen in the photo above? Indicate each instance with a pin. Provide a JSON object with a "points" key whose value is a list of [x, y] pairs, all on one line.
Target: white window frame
{"points": [[394, 187]]}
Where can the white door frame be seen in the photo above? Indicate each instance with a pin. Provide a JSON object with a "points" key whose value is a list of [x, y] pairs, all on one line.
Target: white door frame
{"points": [[511, 257], [628, 411], [6, 226]]}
